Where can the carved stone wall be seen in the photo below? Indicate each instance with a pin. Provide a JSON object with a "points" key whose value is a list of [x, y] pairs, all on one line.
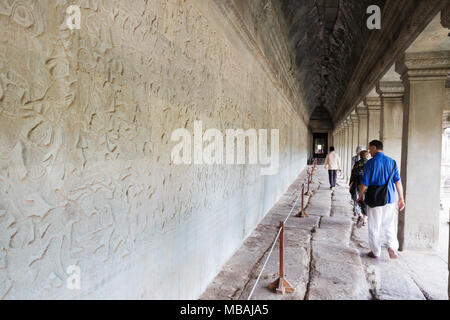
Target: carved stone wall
{"points": [[85, 122]]}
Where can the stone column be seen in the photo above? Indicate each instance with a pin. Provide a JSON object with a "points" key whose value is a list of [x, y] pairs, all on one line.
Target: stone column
{"points": [[348, 155], [373, 105], [343, 149], [391, 93], [445, 21], [355, 141], [347, 143], [335, 141], [341, 144], [338, 140], [423, 75], [363, 116]]}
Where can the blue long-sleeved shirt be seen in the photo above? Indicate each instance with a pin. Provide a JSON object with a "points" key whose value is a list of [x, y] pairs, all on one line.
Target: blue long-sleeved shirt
{"points": [[377, 171]]}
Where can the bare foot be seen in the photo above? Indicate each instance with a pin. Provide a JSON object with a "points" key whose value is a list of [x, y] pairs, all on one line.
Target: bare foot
{"points": [[392, 254], [371, 255]]}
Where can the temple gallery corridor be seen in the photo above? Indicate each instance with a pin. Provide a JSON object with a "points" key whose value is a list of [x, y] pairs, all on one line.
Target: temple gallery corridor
{"points": [[325, 256], [150, 149]]}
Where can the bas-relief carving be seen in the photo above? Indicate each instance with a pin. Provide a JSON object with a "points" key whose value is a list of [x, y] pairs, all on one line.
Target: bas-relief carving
{"points": [[85, 174]]}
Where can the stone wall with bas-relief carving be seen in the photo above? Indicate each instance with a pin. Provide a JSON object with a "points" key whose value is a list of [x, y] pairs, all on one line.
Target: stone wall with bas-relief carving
{"points": [[86, 118]]}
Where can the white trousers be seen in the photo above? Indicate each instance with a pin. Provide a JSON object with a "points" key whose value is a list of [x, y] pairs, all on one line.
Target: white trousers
{"points": [[382, 221]]}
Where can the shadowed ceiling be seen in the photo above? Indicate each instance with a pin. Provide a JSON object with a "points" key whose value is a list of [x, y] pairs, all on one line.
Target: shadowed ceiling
{"points": [[328, 38]]}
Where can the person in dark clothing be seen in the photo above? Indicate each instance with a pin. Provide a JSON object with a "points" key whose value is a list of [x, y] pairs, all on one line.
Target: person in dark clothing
{"points": [[360, 210]]}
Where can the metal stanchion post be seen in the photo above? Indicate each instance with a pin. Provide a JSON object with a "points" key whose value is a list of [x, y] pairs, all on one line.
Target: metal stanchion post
{"points": [[308, 192], [302, 213], [281, 285]]}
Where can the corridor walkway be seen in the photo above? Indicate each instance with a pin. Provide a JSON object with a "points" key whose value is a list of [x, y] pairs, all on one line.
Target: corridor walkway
{"points": [[325, 256]]}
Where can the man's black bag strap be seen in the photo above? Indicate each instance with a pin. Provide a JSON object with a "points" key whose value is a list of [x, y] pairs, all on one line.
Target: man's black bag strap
{"points": [[392, 173]]}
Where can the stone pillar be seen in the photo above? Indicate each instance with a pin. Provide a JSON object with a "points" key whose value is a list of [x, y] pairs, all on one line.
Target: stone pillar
{"points": [[355, 141], [342, 153], [423, 75], [344, 149], [445, 21], [349, 152], [373, 105], [347, 143], [391, 93], [341, 145], [333, 143], [338, 140], [363, 129]]}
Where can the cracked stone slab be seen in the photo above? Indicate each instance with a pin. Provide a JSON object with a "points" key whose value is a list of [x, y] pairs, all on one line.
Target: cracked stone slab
{"points": [[343, 205], [225, 286], [302, 223], [241, 270], [336, 223], [390, 281], [236, 272], [308, 223], [336, 253], [324, 191], [318, 208], [429, 272], [360, 237], [338, 281], [340, 267], [342, 210], [297, 258], [333, 236]]}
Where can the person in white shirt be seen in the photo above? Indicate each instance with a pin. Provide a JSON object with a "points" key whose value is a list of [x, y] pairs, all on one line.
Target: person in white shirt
{"points": [[333, 164]]}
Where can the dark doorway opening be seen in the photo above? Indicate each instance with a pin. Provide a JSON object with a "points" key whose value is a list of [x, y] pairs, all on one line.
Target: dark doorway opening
{"points": [[320, 145]]}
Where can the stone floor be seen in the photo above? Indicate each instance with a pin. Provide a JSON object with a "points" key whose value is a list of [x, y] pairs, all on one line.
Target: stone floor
{"points": [[325, 256]]}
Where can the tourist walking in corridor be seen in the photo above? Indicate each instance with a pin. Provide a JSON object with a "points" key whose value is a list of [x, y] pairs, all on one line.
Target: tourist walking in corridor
{"points": [[360, 209], [380, 179], [333, 164], [357, 157]]}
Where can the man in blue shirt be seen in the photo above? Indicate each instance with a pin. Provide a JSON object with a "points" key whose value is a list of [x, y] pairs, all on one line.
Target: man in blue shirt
{"points": [[382, 219]]}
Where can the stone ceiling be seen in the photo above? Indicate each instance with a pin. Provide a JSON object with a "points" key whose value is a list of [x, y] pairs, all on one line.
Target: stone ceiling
{"points": [[338, 60], [328, 38]]}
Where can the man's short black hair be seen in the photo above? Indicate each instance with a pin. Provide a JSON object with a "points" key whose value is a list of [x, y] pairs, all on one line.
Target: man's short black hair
{"points": [[377, 144], [331, 149]]}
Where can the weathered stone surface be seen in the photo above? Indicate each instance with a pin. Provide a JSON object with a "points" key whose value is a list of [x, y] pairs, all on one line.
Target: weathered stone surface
{"points": [[389, 281], [86, 118], [360, 238], [333, 236], [302, 223], [326, 36], [297, 257], [336, 223], [340, 268], [335, 253], [239, 274], [320, 204], [338, 281], [429, 272]]}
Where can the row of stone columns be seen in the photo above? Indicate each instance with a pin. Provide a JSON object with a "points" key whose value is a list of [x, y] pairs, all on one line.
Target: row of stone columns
{"points": [[361, 127], [407, 116], [424, 76]]}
